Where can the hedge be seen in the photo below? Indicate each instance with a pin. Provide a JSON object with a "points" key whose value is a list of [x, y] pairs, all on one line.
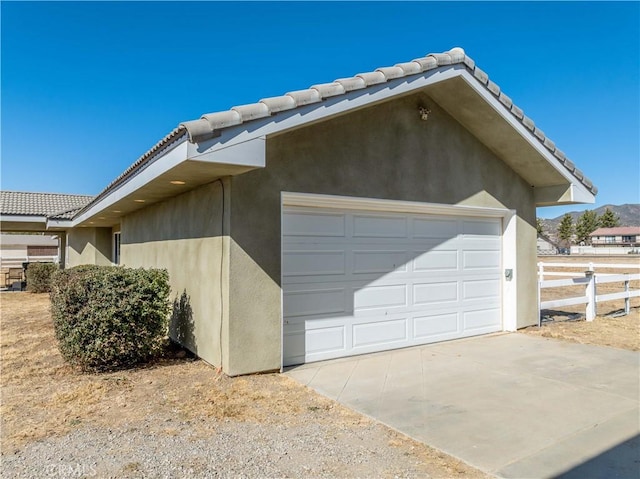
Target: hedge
{"points": [[110, 317], [39, 276]]}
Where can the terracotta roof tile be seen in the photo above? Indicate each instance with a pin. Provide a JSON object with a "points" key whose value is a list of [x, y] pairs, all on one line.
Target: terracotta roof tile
{"points": [[40, 204]]}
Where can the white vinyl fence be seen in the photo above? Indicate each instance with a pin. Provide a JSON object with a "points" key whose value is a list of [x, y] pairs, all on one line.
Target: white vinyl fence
{"points": [[590, 279], [16, 261]]}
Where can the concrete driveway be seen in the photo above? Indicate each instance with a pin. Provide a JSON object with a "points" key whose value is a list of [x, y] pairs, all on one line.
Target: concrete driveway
{"points": [[511, 405]]}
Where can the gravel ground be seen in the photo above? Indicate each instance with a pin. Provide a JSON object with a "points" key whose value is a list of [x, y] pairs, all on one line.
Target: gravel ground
{"points": [[233, 449], [179, 418]]}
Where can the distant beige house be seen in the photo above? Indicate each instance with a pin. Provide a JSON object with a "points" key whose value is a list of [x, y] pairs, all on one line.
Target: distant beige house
{"points": [[17, 248], [390, 209], [546, 245], [36, 212], [620, 236]]}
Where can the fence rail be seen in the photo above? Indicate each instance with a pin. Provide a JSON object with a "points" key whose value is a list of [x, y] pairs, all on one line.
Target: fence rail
{"points": [[16, 261], [589, 279], [589, 267]]}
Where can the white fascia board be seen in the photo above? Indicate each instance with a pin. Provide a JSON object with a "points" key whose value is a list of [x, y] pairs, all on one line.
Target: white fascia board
{"points": [[312, 200], [327, 108], [162, 164], [579, 194], [251, 153], [561, 194], [579, 190], [23, 219], [59, 223]]}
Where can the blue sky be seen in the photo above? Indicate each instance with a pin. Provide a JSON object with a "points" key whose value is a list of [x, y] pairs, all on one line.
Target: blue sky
{"points": [[88, 87]]}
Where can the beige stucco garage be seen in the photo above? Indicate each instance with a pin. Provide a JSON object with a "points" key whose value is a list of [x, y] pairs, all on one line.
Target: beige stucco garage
{"points": [[393, 208]]}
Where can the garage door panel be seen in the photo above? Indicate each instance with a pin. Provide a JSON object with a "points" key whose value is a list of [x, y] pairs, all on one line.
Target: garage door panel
{"points": [[314, 302], [481, 259], [436, 260], [313, 263], [481, 228], [427, 228], [313, 224], [377, 226], [326, 339], [484, 320], [431, 326], [384, 262], [294, 347], [376, 281], [481, 289], [380, 333], [435, 292], [380, 297]]}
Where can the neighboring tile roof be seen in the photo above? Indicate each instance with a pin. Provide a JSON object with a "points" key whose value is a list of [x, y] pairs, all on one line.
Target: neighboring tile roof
{"points": [[211, 123], [618, 231], [41, 204]]}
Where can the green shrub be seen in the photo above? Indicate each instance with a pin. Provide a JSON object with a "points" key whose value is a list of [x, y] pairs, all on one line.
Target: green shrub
{"points": [[110, 317], [39, 277]]}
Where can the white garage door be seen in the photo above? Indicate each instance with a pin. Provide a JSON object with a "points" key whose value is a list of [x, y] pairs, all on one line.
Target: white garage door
{"points": [[356, 282]]}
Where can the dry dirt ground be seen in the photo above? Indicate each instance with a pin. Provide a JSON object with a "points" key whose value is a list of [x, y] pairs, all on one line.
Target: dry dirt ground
{"points": [[609, 328], [44, 401]]}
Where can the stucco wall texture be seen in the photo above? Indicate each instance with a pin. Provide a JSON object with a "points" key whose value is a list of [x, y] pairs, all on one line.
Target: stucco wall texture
{"points": [[384, 151], [89, 246], [185, 235], [221, 242]]}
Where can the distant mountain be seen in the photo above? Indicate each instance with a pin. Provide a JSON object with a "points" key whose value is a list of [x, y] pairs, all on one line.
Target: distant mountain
{"points": [[629, 215]]}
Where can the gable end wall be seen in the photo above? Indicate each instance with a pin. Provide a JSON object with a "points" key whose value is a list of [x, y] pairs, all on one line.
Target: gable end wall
{"points": [[385, 151]]}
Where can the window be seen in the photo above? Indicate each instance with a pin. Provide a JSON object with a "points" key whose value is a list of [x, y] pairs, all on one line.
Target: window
{"points": [[628, 239], [610, 239], [116, 248]]}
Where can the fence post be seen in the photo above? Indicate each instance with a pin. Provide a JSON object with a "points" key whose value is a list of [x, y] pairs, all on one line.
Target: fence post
{"points": [[538, 302], [627, 305], [590, 293], [540, 271]]}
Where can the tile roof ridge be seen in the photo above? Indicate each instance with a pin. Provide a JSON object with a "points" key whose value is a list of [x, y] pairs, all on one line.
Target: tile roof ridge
{"points": [[209, 125]]}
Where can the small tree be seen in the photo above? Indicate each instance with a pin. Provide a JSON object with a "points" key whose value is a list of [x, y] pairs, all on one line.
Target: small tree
{"points": [[565, 229], [539, 226], [587, 223], [608, 219]]}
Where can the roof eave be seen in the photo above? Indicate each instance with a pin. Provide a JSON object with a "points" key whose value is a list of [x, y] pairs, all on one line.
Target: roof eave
{"points": [[172, 171]]}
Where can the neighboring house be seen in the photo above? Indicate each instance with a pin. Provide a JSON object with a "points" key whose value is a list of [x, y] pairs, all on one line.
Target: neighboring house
{"points": [[546, 245], [619, 236], [32, 212], [16, 249], [390, 209]]}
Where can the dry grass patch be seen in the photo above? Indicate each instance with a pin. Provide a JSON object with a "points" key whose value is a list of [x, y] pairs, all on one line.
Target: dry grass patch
{"points": [[618, 332], [43, 397], [567, 323]]}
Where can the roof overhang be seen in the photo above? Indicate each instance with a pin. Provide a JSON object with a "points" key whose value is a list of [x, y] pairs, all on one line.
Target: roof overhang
{"points": [[183, 165], [22, 223], [175, 170]]}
